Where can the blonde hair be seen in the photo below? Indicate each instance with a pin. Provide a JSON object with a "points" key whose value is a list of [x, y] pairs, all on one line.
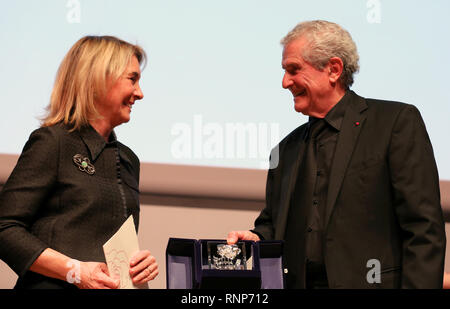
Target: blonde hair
{"points": [[83, 76], [324, 41]]}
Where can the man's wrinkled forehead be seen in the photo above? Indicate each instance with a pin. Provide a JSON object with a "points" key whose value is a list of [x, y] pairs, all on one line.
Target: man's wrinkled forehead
{"points": [[293, 52]]}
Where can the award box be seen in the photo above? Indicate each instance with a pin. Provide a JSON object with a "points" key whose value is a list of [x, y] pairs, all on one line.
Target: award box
{"points": [[207, 264]]}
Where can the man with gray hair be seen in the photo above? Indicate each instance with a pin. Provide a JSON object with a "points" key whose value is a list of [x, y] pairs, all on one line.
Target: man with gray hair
{"points": [[355, 194]]}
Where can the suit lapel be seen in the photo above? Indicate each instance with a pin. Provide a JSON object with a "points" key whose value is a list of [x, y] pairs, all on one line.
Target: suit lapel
{"points": [[352, 125], [294, 153]]}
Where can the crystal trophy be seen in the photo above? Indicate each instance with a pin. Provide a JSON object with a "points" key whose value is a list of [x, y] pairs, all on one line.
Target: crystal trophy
{"points": [[222, 256]]}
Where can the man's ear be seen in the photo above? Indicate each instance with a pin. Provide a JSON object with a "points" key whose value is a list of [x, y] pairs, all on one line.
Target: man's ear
{"points": [[335, 67]]}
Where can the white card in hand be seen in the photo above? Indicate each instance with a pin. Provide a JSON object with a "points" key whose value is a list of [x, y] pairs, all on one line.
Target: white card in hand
{"points": [[118, 251]]}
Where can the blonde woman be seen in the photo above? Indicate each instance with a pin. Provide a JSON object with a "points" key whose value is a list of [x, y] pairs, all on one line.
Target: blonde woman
{"points": [[74, 184]]}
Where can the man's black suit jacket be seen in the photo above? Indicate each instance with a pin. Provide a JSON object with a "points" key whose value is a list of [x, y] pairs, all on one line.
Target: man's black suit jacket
{"points": [[383, 200]]}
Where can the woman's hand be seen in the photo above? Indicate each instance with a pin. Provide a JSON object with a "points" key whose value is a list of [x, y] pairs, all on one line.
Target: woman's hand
{"points": [[94, 275], [85, 275], [143, 267]]}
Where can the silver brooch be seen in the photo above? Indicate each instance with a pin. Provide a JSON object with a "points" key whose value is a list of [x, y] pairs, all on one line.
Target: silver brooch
{"points": [[84, 164]]}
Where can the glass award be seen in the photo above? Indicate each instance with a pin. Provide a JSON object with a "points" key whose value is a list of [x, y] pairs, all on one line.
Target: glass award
{"points": [[222, 256]]}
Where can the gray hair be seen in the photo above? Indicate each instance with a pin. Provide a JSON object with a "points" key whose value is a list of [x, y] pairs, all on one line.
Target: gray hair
{"points": [[324, 41]]}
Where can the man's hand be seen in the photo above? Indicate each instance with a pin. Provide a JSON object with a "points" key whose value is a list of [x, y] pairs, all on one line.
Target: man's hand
{"points": [[234, 236], [143, 267]]}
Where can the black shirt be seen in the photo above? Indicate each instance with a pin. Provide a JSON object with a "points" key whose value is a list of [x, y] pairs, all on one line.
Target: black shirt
{"points": [[311, 189], [324, 145]]}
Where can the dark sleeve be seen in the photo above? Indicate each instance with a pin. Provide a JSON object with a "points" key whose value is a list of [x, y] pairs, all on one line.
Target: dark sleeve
{"points": [[264, 226], [417, 201], [134, 160], [21, 199], [137, 168]]}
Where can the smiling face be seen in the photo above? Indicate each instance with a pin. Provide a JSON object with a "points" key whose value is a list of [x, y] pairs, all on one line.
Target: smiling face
{"points": [[115, 107], [311, 88]]}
